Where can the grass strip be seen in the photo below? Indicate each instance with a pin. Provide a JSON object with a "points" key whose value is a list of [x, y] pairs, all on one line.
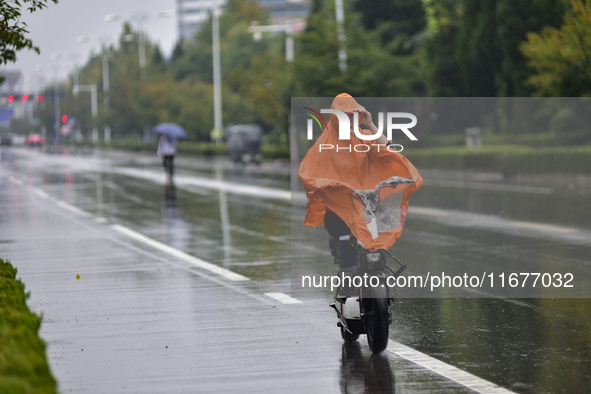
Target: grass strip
{"points": [[510, 160], [23, 361]]}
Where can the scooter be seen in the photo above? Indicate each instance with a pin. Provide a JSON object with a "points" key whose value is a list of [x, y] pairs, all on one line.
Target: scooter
{"points": [[364, 300]]}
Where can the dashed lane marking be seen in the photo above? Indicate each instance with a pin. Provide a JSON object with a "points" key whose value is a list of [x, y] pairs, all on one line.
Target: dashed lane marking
{"points": [[72, 208], [179, 254]]}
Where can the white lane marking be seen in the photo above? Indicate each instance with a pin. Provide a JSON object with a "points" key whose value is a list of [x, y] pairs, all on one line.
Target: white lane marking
{"points": [[41, 193], [236, 188], [16, 181], [283, 298], [428, 211], [179, 254], [544, 227], [490, 186], [72, 208], [447, 371]]}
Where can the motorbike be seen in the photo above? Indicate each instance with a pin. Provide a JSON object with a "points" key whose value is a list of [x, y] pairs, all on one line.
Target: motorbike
{"points": [[366, 306], [364, 300]]}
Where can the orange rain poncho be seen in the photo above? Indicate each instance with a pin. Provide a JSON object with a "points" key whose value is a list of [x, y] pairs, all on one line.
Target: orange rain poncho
{"points": [[369, 191]]}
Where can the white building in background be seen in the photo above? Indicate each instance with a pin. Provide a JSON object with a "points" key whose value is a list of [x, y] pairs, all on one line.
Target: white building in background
{"points": [[192, 13]]}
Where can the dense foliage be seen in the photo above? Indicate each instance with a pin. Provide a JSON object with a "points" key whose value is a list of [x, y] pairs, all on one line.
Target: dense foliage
{"points": [[473, 47], [13, 31], [561, 56]]}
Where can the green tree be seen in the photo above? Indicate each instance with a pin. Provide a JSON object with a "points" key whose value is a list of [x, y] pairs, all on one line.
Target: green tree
{"points": [[13, 31], [237, 46], [518, 18], [244, 67], [316, 65], [441, 63], [377, 65], [476, 48], [394, 19], [473, 45], [561, 57]]}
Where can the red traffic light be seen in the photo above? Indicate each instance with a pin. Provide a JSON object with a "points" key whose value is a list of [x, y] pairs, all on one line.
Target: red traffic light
{"points": [[64, 118], [25, 98], [10, 98], [40, 98]]}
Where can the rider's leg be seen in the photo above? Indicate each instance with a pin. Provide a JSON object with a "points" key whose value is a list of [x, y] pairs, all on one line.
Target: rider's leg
{"points": [[340, 246], [347, 256], [333, 245]]}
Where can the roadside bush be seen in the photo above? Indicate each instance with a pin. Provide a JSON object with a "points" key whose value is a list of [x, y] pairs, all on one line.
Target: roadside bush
{"points": [[191, 148], [23, 362]]}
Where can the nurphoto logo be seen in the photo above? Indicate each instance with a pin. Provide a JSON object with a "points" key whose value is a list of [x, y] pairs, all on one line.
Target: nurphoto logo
{"points": [[391, 123]]}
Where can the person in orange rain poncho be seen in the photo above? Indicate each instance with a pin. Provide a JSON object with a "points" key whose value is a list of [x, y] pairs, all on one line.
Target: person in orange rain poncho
{"points": [[356, 192]]}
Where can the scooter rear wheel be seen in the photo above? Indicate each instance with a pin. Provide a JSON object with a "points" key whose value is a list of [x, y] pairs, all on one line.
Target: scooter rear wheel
{"points": [[377, 320]]}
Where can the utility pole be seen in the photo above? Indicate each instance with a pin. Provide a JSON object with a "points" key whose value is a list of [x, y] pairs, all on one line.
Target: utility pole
{"points": [[107, 135], [340, 16], [217, 80]]}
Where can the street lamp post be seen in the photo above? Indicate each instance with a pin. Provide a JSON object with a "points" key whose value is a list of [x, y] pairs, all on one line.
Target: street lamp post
{"points": [[141, 49], [93, 104], [214, 7]]}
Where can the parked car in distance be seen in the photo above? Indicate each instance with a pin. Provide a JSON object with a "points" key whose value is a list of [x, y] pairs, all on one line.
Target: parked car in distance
{"points": [[35, 139], [5, 139]]}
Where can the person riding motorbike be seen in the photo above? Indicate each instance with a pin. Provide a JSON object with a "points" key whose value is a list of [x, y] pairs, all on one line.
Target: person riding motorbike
{"points": [[335, 181]]}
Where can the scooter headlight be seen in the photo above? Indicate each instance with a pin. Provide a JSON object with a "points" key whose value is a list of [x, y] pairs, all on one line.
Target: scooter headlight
{"points": [[373, 257]]}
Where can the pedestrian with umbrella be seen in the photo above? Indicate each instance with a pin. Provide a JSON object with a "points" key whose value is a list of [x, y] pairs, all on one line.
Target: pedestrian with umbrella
{"points": [[171, 132]]}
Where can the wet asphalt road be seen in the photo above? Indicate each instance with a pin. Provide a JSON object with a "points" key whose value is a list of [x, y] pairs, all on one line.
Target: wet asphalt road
{"points": [[146, 316]]}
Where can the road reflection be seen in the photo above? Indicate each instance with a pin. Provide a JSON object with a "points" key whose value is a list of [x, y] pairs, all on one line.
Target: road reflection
{"points": [[364, 373], [170, 207], [177, 229]]}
